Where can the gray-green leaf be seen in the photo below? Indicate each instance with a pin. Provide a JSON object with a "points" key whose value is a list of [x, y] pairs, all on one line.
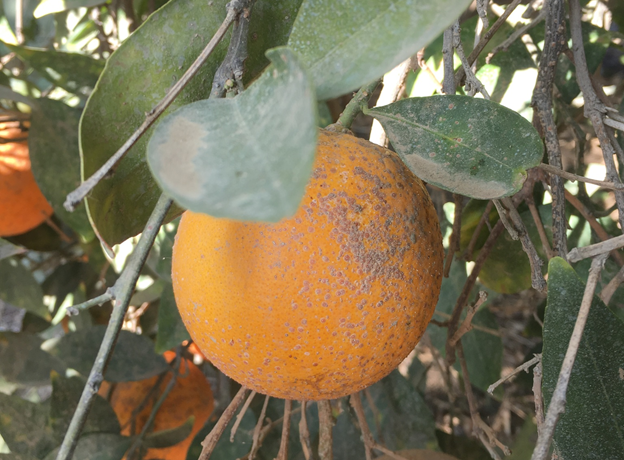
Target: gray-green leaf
{"points": [[469, 146], [349, 43], [592, 425], [245, 158]]}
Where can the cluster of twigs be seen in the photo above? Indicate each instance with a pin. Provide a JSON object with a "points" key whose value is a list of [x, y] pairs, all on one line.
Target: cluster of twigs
{"points": [[604, 120]]}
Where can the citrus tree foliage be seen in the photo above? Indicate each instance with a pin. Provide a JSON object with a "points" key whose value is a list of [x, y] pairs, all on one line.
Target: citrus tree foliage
{"points": [[476, 100]]}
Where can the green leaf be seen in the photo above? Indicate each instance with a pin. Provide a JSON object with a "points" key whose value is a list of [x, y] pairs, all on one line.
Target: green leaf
{"points": [[20, 289], [137, 76], [171, 329], [55, 158], [349, 43], [170, 437], [404, 419], [75, 73], [245, 158], [56, 6], [483, 350], [22, 360], [23, 426], [65, 396], [159, 257], [101, 446], [8, 249], [469, 146], [591, 426], [133, 359]]}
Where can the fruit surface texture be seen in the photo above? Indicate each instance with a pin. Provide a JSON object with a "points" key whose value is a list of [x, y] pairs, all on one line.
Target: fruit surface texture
{"points": [[22, 205], [190, 396], [326, 302]]}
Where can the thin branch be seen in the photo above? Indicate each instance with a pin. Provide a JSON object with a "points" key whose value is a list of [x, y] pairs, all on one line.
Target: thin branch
{"points": [[393, 88], [614, 124], [369, 442], [523, 367], [476, 327], [473, 84], [232, 67], [304, 433], [74, 198], [478, 425], [122, 292], [594, 109], [467, 325], [537, 279], [517, 34], [455, 236], [593, 223], [573, 177], [593, 250], [608, 291], [448, 85], [255, 445], [485, 39], [485, 218], [502, 213], [353, 108], [558, 400], [543, 118], [540, 226], [537, 396], [241, 414], [283, 449], [467, 289], [326, 423], [211, 440], [96, 301]]}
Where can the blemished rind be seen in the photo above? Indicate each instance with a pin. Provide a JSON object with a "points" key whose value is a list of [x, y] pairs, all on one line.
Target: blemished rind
{"points": [[324, 303]]}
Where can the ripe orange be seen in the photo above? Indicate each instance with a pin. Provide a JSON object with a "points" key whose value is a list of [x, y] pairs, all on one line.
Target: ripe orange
{"points": [[22, 205], [324, 303], [191, 395]]}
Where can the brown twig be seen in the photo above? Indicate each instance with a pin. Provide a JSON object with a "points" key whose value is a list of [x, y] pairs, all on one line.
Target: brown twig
{"points": [[537, 395], [515, 35], [468, 285], [467, 325], [367, 436], [234, 8], [283, 449], [608, 291], [485, 39], [211, 440], [502, 214], [593, 223], [537, 279], [558, 400], [523, 367], [485, 218], [255, 445], [478, 425], [540, 226], [326, 423], [454, 240], [573, 177], [543, 118], [594, 108], [448, 85], [241, 414], [304, 433], [593, 250], [473, 84]]}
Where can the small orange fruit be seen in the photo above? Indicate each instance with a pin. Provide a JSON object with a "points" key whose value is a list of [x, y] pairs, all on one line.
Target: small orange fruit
{"points": [[191, 395], [22, 205], [324, 303]]}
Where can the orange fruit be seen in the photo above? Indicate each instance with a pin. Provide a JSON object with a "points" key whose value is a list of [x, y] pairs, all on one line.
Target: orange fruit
{"points": [[191, 395], [22, 205], [326, 302]]}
